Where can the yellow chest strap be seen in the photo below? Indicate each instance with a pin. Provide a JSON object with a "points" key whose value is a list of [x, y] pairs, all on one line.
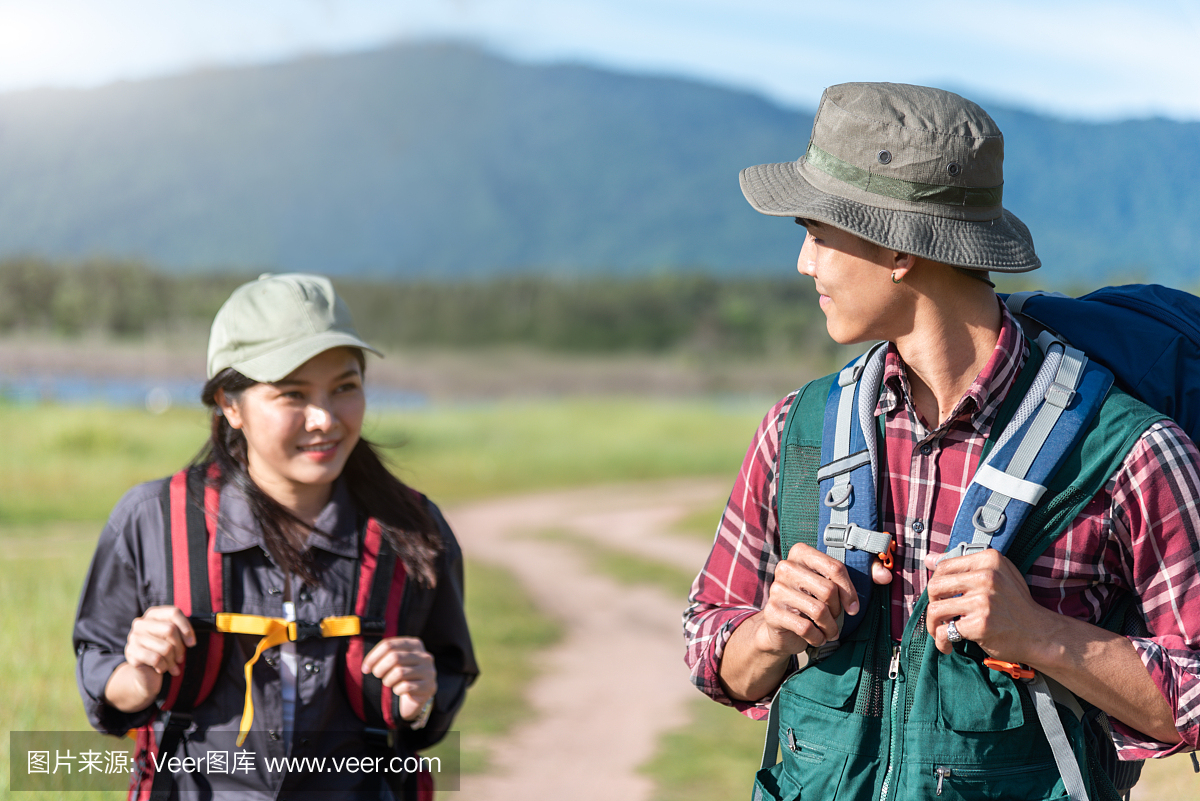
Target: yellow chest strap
{"points": [[276, 631]]}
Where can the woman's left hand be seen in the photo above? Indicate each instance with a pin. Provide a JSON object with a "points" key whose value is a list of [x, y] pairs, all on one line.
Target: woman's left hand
{"points": [[404, 666]]}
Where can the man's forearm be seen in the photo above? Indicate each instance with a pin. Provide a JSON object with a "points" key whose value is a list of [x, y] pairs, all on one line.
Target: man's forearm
{"points": [[747, 672], [1104, 669]]}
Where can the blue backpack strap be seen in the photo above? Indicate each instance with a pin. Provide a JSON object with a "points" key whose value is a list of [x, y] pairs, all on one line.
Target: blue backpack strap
{"points": [[848, 519], [1065, 396]]}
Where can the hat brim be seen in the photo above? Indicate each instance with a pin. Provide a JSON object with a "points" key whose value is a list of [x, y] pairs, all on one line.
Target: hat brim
{"points": [[1003, 244], [280, 362]]}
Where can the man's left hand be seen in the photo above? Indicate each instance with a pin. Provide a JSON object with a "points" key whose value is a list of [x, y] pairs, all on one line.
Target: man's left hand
{"points": [[988, 600]]}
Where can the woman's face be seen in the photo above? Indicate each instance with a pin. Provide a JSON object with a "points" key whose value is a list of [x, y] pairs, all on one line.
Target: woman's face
{"points": [[300, 430]]}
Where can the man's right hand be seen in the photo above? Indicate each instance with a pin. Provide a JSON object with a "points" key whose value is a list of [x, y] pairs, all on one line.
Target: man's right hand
{"points": [[807, 597]]}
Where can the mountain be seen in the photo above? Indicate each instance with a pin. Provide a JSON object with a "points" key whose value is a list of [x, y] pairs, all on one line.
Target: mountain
{"points": [[443, 160]]}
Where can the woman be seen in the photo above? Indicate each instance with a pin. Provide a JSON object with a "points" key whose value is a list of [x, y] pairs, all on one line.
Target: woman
{"points": [[287, 559]]}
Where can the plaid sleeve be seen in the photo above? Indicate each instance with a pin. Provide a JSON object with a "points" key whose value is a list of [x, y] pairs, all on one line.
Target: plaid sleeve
{"points": [[737, 576], [1156, 499]]}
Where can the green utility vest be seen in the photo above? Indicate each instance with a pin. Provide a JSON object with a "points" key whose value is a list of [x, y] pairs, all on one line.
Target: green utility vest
{"points": [[880, 720]]}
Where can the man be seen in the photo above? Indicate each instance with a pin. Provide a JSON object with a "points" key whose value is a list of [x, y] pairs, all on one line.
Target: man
{"points": [[900, 193]]}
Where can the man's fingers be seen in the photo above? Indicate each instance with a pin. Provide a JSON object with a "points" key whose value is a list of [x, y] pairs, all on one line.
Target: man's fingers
{"points": [[879, 573], [830, 570], [802, 615]]}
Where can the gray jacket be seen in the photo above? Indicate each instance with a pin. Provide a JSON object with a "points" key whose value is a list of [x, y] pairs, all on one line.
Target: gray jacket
{"points": [[128, 575]]}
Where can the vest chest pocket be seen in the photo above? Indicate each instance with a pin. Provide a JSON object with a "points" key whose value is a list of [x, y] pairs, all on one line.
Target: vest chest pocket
{"points": [[832, 682], [971, 697], [831, 760]]}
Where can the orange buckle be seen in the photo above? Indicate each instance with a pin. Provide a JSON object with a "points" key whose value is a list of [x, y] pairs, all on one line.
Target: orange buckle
{"points": [[1014, 669], [887, 558]]}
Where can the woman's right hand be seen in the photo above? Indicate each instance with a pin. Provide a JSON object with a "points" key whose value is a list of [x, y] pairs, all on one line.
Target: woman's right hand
{"points": [[157, 644]]}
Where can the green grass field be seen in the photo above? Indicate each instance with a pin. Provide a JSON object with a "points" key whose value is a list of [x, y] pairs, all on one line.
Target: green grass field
{"points": [[73, 463]]}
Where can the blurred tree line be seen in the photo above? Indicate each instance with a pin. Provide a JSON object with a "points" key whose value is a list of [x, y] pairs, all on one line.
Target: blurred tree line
{"points": [[691, 312]]}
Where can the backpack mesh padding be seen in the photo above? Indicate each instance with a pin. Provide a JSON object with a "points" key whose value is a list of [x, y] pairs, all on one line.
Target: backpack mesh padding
{"points": [[869, 702], [801, 497], [916, 654]]}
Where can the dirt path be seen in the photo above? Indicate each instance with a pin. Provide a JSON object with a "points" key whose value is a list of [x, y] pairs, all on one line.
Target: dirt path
{"points": [[616, 680]]}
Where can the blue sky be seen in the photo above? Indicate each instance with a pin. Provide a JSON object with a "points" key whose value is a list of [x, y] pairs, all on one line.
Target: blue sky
{"points": [[1099, 59]]}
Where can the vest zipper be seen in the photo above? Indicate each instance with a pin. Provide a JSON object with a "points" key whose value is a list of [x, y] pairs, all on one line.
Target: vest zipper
{"points": [[942, 773], [893, 676]]}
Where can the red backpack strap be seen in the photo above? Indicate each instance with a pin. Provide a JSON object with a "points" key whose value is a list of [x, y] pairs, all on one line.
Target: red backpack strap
{"points": [[196, 582], [378, 601], [196, 579]]}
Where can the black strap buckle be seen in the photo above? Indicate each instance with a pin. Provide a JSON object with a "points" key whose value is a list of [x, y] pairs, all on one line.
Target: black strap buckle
{"points": [[307, 630]]}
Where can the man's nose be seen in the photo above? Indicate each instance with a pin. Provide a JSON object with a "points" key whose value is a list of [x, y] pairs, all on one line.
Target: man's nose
{"points": [[806, 261]]}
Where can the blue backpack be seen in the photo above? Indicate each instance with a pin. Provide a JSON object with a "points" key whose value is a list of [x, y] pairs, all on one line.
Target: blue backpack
{"points": [[1147, 335]]}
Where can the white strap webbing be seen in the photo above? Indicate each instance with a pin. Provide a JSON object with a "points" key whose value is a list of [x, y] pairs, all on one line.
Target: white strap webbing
{"points": [[1016, 488], [1064, 755], [844, 465], [840, 498], [771, 744], [865, 375], [853, 536], [1066, 371]]}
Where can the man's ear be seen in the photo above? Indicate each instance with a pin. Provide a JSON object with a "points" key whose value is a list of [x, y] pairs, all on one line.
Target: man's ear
{"points": [[902, 264], [228, 408]]}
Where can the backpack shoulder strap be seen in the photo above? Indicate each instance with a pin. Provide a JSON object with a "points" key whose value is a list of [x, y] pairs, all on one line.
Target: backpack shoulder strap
{"points": [[197, 578], [1106, 442], [828, 464], [379, 597], [1069, 434], [1064, 397]]}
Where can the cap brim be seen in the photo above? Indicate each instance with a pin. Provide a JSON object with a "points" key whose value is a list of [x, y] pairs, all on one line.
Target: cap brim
{"points": [[1003, 244], [279, 363]]}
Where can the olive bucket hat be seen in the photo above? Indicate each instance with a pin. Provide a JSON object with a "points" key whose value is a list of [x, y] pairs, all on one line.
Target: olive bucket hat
{"points": [[914, 169], [271, 326]]}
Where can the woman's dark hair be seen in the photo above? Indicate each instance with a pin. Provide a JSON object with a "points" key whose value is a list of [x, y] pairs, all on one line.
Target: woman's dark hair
{"points": [[406, 522]]}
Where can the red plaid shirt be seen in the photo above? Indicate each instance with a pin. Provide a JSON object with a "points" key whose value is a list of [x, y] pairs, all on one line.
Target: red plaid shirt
{"points": [[1140, 534]]}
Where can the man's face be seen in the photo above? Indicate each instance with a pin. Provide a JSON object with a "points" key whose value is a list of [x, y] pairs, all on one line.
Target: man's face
{"points": [[853, 277]]}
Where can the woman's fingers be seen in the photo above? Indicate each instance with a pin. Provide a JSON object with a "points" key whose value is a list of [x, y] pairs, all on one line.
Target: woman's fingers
{"points": [[404, 666], [159, 639], [400, 659]]}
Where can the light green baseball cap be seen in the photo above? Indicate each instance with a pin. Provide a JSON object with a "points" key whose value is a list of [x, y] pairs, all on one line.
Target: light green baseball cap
{"points": [[271, 326]]}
